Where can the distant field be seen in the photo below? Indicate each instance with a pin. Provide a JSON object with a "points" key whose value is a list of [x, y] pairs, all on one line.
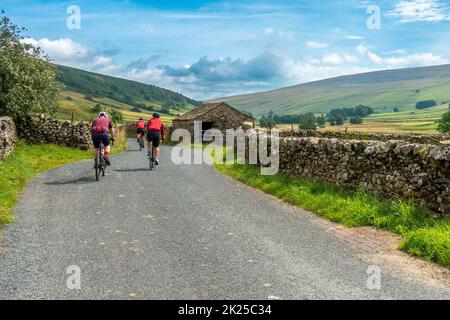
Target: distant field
{"points": [[382, 90], [418, 121]]}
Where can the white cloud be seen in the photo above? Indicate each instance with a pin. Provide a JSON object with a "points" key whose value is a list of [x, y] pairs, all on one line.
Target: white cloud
{"points": [[268, 31], [60, 50], [400, 52], [350, 37], [332, 58], [415, 60], [316, 45], [349, 58], [374, 58], [420, 10], [65, 51], [362, 48]]}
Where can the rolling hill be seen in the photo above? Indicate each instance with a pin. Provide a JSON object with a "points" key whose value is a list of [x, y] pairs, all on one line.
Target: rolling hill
{"points": [[382, 90], [83, 90]]}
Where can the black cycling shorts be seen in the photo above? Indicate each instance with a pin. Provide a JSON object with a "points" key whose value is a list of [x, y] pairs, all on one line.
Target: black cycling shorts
{"points": [[140, 131], [154, 137], [102, 137]]}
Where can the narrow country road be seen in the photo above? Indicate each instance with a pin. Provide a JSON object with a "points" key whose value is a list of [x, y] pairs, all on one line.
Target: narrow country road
{"points": [[179, 232]]}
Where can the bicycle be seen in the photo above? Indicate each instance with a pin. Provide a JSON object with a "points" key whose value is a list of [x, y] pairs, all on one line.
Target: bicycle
{"points": [[141, 143], [152, 158], [100, 163]]}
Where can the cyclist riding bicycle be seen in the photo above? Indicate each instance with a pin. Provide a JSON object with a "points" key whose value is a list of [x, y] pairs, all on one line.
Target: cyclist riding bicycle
{"points": [[155, 133], [101, 128], [140, 129]]}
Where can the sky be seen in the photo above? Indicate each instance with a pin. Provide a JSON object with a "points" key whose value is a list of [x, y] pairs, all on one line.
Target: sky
{"points": [[212, 49]]}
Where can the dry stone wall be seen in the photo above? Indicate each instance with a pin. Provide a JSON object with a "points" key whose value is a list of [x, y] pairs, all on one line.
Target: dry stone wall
{"points": [[41, 129], [391, 168], [8, 136], [412, 138]]}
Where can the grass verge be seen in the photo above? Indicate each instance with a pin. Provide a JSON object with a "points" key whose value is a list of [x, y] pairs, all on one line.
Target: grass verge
{"points": [[28, 160], [422, 236], [24, 163]]}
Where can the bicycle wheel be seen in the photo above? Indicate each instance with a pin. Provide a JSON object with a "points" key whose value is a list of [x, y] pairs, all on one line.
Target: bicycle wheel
{"points": [[97, 167]]}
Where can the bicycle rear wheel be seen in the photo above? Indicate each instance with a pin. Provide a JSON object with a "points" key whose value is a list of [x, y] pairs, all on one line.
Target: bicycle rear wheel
{"points": [[97, 168]]}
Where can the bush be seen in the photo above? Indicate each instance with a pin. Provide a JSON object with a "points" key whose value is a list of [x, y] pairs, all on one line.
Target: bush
{"points": [[27, 79], [356, 120], [165, 110], [426, 104], [136, 109], [321, 121], [308, 122], [267, 122], [97, 108], [444, 123], [396, 110]]}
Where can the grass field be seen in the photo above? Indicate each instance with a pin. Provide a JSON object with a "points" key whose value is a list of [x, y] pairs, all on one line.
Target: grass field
{"points": [[422, 236], [382, 90], [417, 121], [82, 108]]}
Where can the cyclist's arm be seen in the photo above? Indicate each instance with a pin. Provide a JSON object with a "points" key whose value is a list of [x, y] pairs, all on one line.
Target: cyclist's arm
{"points": [[111, 131], [162, 131]]}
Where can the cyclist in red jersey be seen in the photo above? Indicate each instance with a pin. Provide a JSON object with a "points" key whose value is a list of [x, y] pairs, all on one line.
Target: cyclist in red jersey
{"points": [[155, 133], [141, 125], [101, 128]]}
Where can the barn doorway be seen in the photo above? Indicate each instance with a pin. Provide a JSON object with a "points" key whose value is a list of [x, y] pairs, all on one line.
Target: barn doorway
{"points": [[206, 126]]}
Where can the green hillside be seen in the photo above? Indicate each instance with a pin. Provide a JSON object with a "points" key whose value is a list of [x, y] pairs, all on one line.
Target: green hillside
{"points": [[382, 90], [83, 90]]}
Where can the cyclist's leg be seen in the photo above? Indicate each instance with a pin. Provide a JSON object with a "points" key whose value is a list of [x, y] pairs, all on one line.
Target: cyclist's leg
{"points": [[107, 144], [157, 142], [96, 143], [149, 144]]}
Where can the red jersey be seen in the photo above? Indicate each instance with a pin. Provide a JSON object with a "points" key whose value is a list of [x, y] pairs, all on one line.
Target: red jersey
{"points": [[101, 125], [140, 124], [156, 124]]}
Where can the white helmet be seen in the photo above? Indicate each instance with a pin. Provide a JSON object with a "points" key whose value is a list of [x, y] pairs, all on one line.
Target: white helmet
{"points": [[103, 114]]}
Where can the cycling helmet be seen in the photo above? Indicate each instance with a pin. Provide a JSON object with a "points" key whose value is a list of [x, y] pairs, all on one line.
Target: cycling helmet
{"points": [[141, 118], [103, 114], [156, 115]]}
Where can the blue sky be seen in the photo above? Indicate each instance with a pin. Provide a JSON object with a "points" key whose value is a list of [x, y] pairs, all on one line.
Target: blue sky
{"points": [[209, 49]]}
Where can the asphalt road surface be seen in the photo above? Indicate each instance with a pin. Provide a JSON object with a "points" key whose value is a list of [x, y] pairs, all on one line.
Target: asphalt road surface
{"points": [[179, 232]]}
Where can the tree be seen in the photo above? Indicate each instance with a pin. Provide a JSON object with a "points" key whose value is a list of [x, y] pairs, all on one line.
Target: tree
{"points": [[116, 116], [267, 122], [321, 121], [307, 122], [356, 120], [165, 110], [444, 123], [396, 109], [27, 79], [426, 104], [97, 108]]}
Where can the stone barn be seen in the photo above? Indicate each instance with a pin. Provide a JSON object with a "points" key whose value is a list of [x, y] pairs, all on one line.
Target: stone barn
{"points": [[219, 115]]}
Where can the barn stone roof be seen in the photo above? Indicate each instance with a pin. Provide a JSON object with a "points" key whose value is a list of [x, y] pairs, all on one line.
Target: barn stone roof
{"points": [[199, 111]]}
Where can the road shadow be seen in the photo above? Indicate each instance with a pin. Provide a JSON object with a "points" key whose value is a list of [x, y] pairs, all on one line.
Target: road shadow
{"points": [[82, 180], [132, 170]]}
